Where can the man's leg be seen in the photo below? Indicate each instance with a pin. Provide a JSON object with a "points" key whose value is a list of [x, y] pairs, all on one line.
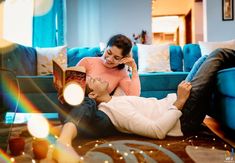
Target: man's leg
{"points": [[85, 120], [203, 83]]}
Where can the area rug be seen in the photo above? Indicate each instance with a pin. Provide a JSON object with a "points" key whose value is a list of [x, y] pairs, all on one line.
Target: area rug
{"points": [[139, 148], [208, 155], [123, 148]]}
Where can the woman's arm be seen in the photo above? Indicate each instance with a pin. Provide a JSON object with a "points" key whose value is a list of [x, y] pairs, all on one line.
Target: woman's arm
{"points": [[131, 86]]}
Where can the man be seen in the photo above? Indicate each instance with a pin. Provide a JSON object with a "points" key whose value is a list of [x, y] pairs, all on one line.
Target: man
{"points": [[167, 120]]}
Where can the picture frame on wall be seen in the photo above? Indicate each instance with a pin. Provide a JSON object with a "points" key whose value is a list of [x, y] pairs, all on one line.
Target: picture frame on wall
{"points": [[227, 10]]}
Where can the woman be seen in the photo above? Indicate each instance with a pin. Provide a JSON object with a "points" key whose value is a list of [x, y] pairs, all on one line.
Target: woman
{"points": [[111, 66]]}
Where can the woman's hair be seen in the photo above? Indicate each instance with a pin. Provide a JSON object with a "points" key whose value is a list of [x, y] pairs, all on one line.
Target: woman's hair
{"points": [[122, 42]]}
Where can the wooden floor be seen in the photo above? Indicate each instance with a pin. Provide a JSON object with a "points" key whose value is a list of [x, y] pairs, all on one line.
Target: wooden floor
{"points": [[216, 128]]}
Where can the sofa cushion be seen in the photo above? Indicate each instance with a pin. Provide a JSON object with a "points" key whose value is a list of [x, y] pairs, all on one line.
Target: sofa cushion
{"points": [[153, 58], [208, 47], [45, 56], [159, 84], [191, 53], [195, 68], [176, 58]]}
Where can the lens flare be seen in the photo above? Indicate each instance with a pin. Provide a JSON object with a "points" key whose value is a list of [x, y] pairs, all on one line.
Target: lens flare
{"points": [[73, 93], [38, 126]]}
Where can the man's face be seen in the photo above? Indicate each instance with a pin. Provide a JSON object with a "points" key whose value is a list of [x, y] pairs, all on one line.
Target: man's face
{"points": [[97, 85]]}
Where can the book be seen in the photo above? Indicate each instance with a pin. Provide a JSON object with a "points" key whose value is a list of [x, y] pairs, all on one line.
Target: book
{"points": [[64, 75]]}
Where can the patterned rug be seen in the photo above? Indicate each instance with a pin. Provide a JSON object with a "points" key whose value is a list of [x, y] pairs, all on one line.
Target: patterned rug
{"points": [[132, 148]]}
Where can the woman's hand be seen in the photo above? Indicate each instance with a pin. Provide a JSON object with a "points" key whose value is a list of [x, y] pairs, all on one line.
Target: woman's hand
{"points": [[129, 61]]}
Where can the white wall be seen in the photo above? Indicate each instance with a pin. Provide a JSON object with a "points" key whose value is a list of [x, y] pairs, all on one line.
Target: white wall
{"points": [[90, 22], [215, 29], [197, 22]]}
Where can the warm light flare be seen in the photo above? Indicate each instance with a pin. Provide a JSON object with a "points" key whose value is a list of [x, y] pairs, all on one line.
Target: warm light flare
{"points": [[73, 94], [38, 126]]}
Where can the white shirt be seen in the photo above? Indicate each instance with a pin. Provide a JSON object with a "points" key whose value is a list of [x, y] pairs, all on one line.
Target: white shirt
{"points": [[144, 116]]}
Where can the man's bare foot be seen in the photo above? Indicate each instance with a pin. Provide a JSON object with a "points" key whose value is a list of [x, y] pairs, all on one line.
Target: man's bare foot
{"points": [[65, 153]]}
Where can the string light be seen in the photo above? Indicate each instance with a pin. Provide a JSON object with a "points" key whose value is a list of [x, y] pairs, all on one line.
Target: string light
{"points": [[189, 139], [12, 159]]}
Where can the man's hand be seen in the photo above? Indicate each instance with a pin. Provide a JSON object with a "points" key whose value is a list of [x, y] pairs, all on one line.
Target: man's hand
{"points": [[183, 93]]}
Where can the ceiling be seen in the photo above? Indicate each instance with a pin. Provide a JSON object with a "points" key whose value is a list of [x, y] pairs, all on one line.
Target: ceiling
{"points": [[171, 7]]}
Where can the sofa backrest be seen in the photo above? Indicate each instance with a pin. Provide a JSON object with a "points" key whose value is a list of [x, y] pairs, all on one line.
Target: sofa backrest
{"points": [[76, 54], [20, 59], [191, 53]]}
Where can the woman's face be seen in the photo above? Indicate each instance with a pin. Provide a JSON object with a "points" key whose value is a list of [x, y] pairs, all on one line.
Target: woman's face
{"points": [[112, 56]]}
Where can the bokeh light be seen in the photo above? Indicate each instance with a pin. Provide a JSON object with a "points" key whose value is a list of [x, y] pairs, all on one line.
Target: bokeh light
{"points": [[73, 93], [38, 126]]}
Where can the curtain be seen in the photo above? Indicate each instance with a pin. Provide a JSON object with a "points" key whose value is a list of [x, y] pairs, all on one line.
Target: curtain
{"points": [[88, 16], [48, 23]]}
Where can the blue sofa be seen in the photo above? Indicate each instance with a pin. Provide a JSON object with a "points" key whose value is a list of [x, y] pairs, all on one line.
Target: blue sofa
{"points": [[39, 90], [222, 108]]}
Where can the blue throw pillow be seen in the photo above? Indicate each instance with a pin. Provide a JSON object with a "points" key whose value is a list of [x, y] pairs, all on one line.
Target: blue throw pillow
{"points": [[195, 68]]}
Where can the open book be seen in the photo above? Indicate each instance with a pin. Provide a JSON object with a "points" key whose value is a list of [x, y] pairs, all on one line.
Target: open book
{"points": [[63, 75]]}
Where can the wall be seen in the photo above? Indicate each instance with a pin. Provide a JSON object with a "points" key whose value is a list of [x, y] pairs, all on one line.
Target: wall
{"points": [[1, 19], [90, 22], [215, 29], [197, 22]]}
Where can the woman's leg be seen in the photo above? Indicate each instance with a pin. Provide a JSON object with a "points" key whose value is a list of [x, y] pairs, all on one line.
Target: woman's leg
{"points": [[203, 83]]}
